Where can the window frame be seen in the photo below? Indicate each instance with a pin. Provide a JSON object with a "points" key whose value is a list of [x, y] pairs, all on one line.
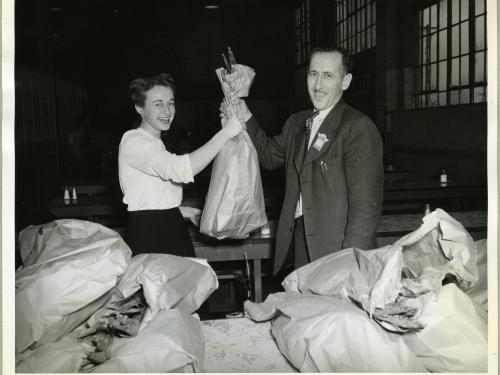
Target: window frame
{"points": [[356, 24], [460, 84]]}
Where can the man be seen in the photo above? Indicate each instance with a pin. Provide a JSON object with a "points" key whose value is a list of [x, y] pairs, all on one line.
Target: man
{"points": [[334, 184]]}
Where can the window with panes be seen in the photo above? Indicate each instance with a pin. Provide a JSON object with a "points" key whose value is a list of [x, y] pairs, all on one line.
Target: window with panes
{"points": [[452, 54], [302, 50], [356, 24]]}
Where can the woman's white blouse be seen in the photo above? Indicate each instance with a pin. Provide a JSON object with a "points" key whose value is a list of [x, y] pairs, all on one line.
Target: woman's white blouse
{"points": [[151, 178]]}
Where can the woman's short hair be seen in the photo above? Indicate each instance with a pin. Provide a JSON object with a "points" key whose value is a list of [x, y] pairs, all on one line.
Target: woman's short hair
{"points": [[347, 60], [138, 87]]}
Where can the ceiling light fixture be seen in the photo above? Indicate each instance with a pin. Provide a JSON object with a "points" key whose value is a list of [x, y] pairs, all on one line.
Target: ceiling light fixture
{"points": [[211, 4]]}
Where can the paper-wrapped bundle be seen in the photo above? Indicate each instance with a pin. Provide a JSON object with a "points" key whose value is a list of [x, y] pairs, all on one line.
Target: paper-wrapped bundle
{"points": [[405, 288], [70, 266], [172, 342], [440, 247], [145, 325], [328, 334], [234, 205], [238, 82]]}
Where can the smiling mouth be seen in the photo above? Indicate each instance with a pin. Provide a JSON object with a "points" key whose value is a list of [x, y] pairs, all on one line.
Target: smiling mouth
{"points": [[319, 94], [165, 120]]}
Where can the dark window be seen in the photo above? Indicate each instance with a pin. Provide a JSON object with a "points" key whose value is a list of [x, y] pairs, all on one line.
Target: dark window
{"points": [[356, 24], [302, 50]]}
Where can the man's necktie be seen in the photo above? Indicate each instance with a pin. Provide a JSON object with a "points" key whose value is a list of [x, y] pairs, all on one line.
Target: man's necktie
{"points": [[309, 123]]}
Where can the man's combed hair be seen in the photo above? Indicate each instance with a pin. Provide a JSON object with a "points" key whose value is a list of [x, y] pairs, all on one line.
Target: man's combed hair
{"points": [[347, 60], [138, 87]]}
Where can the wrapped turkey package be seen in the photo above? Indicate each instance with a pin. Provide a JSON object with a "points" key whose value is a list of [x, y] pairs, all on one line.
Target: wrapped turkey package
{"points": [[168, 339], [455, 333], [440, 247], [167, 281], [400, 286], [172, 342], [70, 266], [234, 205], [328, 334]]}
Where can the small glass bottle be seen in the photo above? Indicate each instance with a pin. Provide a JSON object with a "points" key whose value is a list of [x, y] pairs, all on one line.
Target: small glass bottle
{"points": [[67, 198], [427, 209], [443, 176], [74, 197]]}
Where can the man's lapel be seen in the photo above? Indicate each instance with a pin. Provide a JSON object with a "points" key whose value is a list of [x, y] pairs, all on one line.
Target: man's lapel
{"points": [[300, 139], [329, 129]]}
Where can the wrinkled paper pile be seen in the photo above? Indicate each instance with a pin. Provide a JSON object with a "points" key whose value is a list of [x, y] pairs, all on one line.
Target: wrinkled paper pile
{"points": [[415, 289], [83, 304]]}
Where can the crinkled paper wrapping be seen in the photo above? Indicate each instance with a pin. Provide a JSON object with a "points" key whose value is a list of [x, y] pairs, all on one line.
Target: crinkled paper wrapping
{"points": [[439, 247], [370, 277], [173, 287], [479, 291], [74, 264], [328, 334], [401, 287], [443, 245], [234, 205], [455, 337], [66, 355], [172, 342], [168, 282], [238, 82]]}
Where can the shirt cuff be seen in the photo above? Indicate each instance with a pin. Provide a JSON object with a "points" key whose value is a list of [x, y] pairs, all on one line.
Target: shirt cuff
{"points": [[188, 176]]}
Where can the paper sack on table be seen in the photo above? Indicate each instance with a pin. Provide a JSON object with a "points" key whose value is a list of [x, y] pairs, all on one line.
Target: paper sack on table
{"points": [[234, 205]]}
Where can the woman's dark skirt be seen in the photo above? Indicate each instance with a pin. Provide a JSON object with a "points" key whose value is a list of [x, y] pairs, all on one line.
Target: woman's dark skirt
{"points": [[158, 231]]}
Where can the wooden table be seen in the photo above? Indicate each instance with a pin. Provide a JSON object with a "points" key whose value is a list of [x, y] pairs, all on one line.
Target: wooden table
{"points": [[454, 196], [88, 207], [398, 197], [256, 247]]}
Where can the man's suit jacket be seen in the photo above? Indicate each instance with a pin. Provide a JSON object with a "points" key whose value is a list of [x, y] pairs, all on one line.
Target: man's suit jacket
{"points": [[341, 184]]}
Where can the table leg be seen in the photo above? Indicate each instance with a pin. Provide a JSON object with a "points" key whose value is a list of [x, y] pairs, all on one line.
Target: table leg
{"points": [[257, 280]]}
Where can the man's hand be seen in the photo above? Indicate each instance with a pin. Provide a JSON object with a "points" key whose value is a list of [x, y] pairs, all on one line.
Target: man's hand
{"points": [[192, 214], [234, 104]]}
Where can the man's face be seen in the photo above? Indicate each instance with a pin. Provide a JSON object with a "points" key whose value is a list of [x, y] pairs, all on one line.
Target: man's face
{"points": [[326, 80], [158, 110]]}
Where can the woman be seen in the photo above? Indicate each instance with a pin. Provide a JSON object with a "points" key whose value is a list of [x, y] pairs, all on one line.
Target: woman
{"points": [[151, 178]]}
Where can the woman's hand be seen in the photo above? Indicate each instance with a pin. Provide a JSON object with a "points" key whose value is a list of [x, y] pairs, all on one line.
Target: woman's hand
{"points": [[230, 122], [192, 214], [231, 126]]}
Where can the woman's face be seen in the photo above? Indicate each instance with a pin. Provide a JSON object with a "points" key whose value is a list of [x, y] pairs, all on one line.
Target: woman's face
{"points": [[158, 111]]}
